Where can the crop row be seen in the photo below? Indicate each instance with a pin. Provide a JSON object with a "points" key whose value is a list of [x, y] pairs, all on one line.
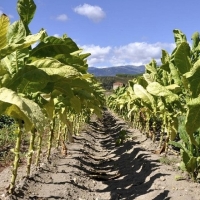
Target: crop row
{"points": [[43, 78], [167, 95]]}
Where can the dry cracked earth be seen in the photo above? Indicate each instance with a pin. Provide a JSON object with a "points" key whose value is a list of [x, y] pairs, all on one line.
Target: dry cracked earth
{"points": [[94, 168]]}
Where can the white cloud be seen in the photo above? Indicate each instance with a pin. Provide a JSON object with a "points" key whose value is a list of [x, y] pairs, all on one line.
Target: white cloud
{"points": [[62, 17], [139, 53], [56, 35], [95, 13], [131, 54], [98, 54]]}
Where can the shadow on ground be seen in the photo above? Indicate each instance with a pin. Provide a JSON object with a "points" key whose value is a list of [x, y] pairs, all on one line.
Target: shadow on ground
{"points": [[129, 160]]}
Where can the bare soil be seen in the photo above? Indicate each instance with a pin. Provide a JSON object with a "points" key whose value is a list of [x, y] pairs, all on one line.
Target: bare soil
{"points": [[94, 168]]}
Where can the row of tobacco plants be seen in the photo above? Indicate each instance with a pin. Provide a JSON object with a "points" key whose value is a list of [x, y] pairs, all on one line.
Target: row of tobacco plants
{"points": [[167, 95], [42, 79]]}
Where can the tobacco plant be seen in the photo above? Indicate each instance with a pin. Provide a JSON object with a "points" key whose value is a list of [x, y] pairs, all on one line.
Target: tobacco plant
{"points": [[165, 93], [38, 83]]}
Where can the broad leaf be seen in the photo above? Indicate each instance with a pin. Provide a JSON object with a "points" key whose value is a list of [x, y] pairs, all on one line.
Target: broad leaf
{"points": [[55, 68], [26, 10], [193, 78], [18, 107], [15, 61], [182, 58], [151, 67], [4, 24], [16, 32], [22, 44], [73, 60], [76, 104], [165, 57], [49, 108], [174, 73], [28, 79], [143, 94], [195, 39], [174, 128], [174, 88], [64, 87], [193, 116], [148, 78], [158, 90], [161, 91], [179, 37], [52, 46]]}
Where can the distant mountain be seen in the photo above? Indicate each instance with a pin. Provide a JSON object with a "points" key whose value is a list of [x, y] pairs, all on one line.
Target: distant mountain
{"points": [[112, 71]]}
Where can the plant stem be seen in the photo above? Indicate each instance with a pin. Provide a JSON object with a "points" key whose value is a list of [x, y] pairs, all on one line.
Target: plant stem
{"points": [[38, 149], [70, 131], [30, 152], [17, 156], [51, 134], [59, 134]]}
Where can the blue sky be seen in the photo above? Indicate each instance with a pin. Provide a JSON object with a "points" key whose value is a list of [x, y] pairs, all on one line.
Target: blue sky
{"points": [[115, 32]]}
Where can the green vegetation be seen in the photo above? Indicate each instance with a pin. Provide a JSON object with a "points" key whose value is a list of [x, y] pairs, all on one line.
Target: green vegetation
{"points": [[167, 161], [41, 84], [46, 94], [130, 76], [5, 121], [7, 138], [122, 135], [165, 93]]}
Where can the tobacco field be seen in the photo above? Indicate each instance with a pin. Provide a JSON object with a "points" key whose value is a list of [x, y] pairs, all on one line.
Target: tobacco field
{"points": [[68, 140]]}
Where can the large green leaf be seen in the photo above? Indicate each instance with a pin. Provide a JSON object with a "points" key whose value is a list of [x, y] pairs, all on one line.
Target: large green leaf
{"points": [[76, 104], [193, 116], [22, 44], [179, 37], [52, 46], [81, 83], [174, 73], [143, 94], [158, 90], [174, 88], [73, 60], [83, 94], [55, 68], [151, 67], [193, 77], [64, 87], [15, 61], [148, 78], [165, 57], [4, 24], [16, 32], [195, 39], [26, 10], [164, 78], [182, 58], [165, 67], [18, 107], [161, 91], [49, 108], [28, 79], [173, 128]]}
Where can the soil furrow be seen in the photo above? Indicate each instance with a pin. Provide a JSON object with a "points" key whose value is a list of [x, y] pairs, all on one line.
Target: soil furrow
{"points": [[95, 168]]}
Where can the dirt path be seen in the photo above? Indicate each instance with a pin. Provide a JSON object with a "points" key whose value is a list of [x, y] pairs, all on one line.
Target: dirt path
{"points": [[95, 169]]}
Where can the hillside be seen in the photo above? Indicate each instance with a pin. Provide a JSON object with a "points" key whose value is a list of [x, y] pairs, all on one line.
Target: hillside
{"points": [[112, 71]]}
